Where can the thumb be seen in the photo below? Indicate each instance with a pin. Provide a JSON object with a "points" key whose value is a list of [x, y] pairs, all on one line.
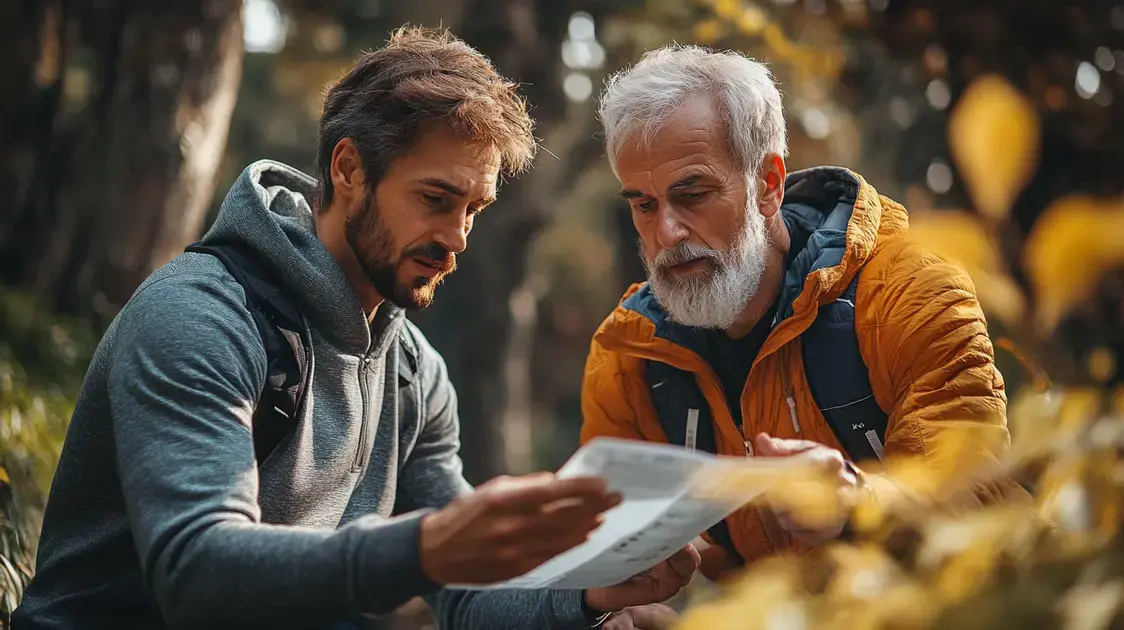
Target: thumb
{"points": [[654, 617], [768, 446], [763, 444]]}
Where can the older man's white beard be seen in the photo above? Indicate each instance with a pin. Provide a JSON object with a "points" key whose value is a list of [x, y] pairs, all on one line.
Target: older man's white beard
{"points": [[716, 299]]}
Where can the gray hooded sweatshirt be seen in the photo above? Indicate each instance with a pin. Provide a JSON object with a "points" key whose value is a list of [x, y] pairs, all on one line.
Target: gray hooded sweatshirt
{"points": [[159, 517]]}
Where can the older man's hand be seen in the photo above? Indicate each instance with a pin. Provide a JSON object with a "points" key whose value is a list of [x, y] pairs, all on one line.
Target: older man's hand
{"points": [[657, 584], [650, 617], [832, 462]]}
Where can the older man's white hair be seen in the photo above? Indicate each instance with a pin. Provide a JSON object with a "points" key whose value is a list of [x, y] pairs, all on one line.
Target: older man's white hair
{"points": [[637, 100]]}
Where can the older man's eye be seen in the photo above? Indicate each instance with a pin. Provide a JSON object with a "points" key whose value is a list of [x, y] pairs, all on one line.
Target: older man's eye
{"points": [[646, 206]]}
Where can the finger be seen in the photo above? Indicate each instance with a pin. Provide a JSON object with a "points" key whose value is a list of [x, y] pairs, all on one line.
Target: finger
{"points": [[768, 446], [685, 562], [803, 532], [532, 493], [585, 505], [555, 533], [555, 539], [619, 621], [570, 515], [653, 617], [663, 581]]}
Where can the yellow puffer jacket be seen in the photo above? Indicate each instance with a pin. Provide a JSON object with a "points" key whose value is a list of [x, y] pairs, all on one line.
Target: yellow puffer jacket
{"points": [[920, 329]]}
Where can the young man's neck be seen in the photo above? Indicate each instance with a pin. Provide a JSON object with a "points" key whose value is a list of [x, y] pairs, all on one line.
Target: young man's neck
{"points": [[771, 280], [331, 229]]}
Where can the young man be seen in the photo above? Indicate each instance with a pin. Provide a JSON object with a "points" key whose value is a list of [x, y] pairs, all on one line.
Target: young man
{"points": [[785, 313], [179, 503]]}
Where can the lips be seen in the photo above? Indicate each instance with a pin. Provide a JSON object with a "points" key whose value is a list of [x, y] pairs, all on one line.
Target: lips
{"points": [[687, 263], [433, 265], [689, 267]]}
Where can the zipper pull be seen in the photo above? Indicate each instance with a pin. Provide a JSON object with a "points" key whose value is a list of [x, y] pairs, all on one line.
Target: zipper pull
{"points": [[791, 402], [749, 448], [792, 413]]}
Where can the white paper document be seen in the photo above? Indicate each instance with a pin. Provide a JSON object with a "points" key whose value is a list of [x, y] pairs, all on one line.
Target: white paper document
{"points": [[669, 496]]}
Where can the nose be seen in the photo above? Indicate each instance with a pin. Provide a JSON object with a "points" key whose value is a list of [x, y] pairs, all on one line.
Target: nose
{"points": [[670, 230], [454, 235]]}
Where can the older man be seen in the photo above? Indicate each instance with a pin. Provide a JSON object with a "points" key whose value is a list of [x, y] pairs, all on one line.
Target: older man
{"points": [[785, 313]]}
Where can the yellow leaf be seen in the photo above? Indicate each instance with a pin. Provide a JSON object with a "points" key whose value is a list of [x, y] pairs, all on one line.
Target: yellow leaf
{"points": [[4, 476], [1080, 407], [765, 598], [708, 31], [728, 9], [1101, 364], [812, 500], [961, 239], [752, 20], [1091, 606], [993, 135], [1116, 404], [1069, 248], [1033, 418]]}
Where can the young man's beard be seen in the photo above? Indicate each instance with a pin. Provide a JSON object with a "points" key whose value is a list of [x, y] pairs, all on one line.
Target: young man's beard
{"points": [[715, 299], [372, 241]]}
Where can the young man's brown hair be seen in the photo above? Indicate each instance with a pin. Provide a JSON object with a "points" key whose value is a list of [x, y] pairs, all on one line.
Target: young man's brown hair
{"points": [[421, 77]]}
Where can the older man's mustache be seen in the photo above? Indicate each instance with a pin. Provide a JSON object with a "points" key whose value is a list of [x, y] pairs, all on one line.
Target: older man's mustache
{"points": [[684, 253]]}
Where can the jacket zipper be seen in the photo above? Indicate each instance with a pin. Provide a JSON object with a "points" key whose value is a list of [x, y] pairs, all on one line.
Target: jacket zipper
{"points": [[789, 399], [364, 368], [768, 522], [764, 515]]}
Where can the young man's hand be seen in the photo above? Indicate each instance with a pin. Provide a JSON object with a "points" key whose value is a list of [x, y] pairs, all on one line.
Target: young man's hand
{"points": [[509, 526], [655, 585], [650, 617]]}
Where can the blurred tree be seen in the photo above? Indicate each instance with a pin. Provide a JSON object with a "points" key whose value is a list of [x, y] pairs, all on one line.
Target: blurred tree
{"points": [[523, 38], [112, 121]]}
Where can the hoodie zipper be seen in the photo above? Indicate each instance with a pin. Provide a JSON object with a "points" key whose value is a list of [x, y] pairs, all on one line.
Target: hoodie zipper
{"points": [[364, 370]]}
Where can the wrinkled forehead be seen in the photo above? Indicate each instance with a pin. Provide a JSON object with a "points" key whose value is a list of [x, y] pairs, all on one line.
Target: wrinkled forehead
{"points": [[471, 167], [695, 131]]}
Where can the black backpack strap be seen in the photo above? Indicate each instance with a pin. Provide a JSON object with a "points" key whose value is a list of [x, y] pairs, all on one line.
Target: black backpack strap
{"points": [[839, 379], [287, 349], [686, 419]]}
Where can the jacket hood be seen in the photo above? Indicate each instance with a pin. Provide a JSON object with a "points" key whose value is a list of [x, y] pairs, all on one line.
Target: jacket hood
{"points": [[835, 220], [268, 210]]}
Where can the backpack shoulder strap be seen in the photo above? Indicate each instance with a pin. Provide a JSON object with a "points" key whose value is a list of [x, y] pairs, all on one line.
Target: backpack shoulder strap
{"points": [[839, 379], [408, 356], [287, 349]]}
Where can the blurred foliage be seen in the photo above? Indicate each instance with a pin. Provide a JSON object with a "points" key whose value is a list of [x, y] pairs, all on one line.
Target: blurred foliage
{"points": [[42, 361], [936, 563]]}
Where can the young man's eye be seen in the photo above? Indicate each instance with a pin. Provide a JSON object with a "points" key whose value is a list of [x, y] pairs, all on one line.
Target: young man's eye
{"points": [[432, 200]]}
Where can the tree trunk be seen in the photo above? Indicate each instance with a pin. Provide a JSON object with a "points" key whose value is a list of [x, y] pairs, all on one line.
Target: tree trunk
{"points": [[471, 320], [124, 169]]}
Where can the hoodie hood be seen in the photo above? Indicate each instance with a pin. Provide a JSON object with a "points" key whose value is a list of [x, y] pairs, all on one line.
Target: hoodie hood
{"points": [[268, 209]]}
